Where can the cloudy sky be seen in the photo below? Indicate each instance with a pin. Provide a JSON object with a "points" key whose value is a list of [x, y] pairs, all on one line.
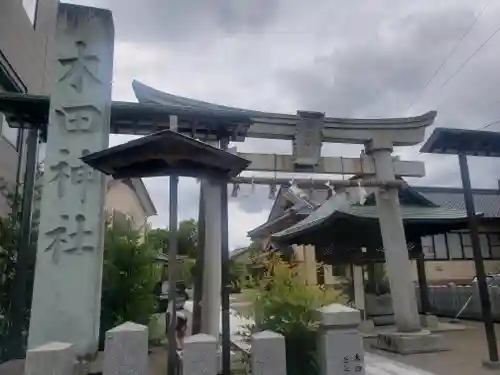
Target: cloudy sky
{"points": [[363, 58]]}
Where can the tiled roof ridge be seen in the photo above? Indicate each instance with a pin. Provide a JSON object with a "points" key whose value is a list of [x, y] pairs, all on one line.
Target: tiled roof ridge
{"points": [[454, 189]]}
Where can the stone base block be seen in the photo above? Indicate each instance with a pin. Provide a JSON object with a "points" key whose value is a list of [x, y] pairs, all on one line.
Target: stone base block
{"points": [[491, 365], [429, 321], [383, 320], [410, 343], [366, 326]]}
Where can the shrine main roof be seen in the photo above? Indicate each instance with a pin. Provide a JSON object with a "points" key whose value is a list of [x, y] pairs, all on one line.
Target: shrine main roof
{"points": [[434, 204], [337, 207]]}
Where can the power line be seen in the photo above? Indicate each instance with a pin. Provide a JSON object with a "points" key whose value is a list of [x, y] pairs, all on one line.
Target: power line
{"points": [[488, 125], [443, 63], [470, 57]]}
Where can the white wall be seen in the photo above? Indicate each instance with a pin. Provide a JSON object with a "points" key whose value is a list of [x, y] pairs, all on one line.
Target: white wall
{"points": [[122, 198]]}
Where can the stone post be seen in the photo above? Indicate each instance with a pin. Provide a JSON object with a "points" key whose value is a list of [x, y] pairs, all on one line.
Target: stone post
{"points": [[359, 289], [268, 353], [55, 358], [311, 266], [328, 274], [68, 271], [394, 241], [340, 344], [126, 350], [200, 355], [211, 300]]}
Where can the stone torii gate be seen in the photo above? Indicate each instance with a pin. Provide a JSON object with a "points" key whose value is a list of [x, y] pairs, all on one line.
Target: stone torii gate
{"points": [[67, 289], [308, 131]]}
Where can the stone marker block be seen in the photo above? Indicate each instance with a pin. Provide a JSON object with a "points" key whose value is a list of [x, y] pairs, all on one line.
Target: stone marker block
{"points": [[268, 353], [200, 355], [411, 343], [69, 259], [340, 343], [126, 350], [55, 358], [338, 315]]}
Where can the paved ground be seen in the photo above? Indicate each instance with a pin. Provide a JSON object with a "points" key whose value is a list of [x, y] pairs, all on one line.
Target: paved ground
{"points": [[468, 349]]}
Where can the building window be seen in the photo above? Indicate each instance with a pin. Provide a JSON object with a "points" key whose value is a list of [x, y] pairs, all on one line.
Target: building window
{"points": [[459, 246], [494, 239], [454, 245], [467, 243], [428, 248], [485, 246], [440, 250], [30, 8], [10, 134]]}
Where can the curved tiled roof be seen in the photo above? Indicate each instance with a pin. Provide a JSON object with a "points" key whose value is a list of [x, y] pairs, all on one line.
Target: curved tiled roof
{"points": [[486, 201], [339, 206]]}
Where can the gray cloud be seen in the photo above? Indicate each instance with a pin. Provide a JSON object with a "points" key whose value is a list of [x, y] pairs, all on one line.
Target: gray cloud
{"points": [[176, 21], [360, 59], [380, 77]]}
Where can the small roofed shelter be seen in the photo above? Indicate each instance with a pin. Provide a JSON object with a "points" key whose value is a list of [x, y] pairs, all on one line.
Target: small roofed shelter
{"points": [[168, 153], [344, 231], [463, 143]]}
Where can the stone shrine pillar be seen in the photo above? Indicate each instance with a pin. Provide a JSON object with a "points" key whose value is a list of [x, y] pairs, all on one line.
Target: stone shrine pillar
{"points": [[211, 299], [329, 279], [359, 289], [68, 271], [311, 266], [394, 240]]}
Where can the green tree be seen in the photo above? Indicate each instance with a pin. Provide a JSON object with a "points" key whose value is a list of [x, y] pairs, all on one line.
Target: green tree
{"points": [[158, 239], [187, 237]]}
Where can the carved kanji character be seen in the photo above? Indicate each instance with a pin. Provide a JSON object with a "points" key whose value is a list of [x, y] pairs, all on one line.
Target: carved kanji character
{"points": [[79, 118], [59, 238], [82, 175], [78, 237], [80, 66], [61, 173]]}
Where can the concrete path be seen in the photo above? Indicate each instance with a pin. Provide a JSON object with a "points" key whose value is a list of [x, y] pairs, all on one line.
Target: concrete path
{"points": [[378, 365], [467, 351]]}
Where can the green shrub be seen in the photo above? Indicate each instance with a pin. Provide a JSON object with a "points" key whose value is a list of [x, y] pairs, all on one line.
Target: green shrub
{"points": [[9, 248], [130, 273], [285, 303]]}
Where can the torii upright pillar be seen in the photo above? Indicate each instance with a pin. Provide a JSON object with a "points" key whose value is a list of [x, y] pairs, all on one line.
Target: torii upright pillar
{"points": [[409, 338], [393, 237]]}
